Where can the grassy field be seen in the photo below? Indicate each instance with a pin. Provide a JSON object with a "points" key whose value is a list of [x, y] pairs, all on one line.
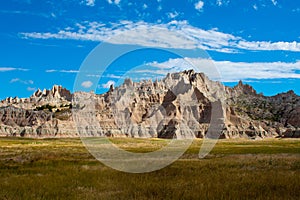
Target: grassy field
{"points": [[235, 169]]}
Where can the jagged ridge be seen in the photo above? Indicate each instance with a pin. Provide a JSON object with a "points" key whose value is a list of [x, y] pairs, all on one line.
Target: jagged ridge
{"points": [[48, 113]]}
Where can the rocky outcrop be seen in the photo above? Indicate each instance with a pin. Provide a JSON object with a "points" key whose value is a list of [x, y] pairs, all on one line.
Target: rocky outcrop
{"points": [[45, 114], [182, 105]]}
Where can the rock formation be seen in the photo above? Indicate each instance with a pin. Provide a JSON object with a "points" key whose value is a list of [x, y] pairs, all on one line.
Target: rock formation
{"points": [[182, 105]]}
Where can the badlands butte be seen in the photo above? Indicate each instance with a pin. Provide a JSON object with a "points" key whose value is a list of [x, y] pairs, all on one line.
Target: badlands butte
{"points": [[183, 104]]}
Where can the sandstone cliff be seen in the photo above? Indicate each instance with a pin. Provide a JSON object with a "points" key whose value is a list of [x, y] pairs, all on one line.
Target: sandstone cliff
{"points": [[183, 104]]}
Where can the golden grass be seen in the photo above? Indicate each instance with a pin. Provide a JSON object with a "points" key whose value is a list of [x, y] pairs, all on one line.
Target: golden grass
{"points": [[235, 169]]}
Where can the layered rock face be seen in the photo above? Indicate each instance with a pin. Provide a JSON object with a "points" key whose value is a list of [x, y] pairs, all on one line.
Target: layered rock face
{"points": [[182, 105], [45, 114], [179, 106]]}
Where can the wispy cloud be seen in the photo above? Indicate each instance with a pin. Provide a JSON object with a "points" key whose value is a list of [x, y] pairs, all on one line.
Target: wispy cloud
{"points": [[93, 75], [22, 12], [32, 89], [6, 69], [113, 76], [107, 76], [51, 70], [228, 71], [18, 80], [86, 84], [175, 34], [69, 71], [61, 71]]}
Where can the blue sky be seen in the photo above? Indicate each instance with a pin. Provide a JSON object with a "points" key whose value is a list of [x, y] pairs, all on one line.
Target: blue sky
{"points": [[46, 42]]}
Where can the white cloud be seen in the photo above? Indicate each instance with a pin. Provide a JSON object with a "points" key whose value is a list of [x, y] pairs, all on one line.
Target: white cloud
{"points": [[228, 71], [233, 71], [175, 34], [116, 2], [107, 76], [255, 7], [69, 71], [31, 89], [274, 2], [263, 45], [113, 76], [62, 71], [206, 66], [88, 2], [87, 84], [108, 84], [53, 15], [219, 2], [51, 70], [222, 2], [6, 69], [14, 80], [199, 5], [93, 75], [172, 15], [17, 80]]}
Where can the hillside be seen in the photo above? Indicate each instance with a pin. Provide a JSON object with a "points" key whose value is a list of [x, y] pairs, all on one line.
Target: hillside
{"points": [[182, 105]]}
